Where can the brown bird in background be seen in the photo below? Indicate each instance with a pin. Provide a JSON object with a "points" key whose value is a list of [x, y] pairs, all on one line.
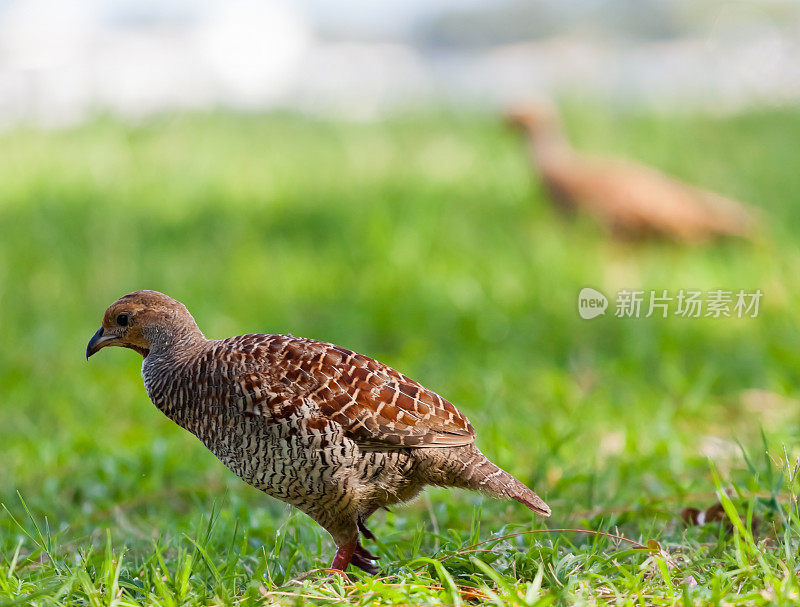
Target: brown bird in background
{"points": [[332, 432], [633, 200]]}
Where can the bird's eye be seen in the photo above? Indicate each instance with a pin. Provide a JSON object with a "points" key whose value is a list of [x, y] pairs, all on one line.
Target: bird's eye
{"points": [[122, 320]]}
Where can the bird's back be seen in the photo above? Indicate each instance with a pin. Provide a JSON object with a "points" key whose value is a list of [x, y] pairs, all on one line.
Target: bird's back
{"points": [[273, 376], [638, 199]]}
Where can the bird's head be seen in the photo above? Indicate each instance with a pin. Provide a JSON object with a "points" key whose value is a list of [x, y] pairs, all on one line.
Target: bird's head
{"points": [[143, 321]]}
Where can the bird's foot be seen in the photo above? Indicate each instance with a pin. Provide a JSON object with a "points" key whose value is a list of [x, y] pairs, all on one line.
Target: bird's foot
{"points": [[365, 560], [355, 554]]}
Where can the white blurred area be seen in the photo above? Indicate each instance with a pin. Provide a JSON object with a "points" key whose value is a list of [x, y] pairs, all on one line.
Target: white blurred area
{"points": [[62, 61]]}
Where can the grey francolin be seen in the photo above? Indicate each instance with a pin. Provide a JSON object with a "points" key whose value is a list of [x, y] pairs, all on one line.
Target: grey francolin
{"points": [[332, 432], [631, 199]]}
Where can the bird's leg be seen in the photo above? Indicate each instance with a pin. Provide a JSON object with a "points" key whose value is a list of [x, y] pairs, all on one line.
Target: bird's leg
{"points": [[354, 554], [363, 529], [364, 559], [364, 553], [344, 555]]}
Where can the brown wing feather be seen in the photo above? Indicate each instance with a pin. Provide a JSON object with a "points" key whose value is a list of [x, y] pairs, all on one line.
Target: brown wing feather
{"points": [[375, 404]]}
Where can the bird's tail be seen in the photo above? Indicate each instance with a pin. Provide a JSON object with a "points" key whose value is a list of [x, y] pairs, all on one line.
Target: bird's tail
{"points": [[729, 217], [488, 478]]}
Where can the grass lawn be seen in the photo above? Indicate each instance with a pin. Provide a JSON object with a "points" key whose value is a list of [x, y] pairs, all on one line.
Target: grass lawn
{"points": [[424, 243]]}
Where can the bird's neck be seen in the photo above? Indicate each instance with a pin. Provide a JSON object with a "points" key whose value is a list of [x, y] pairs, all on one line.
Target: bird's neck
{"points": [[171, 349], [548, 146], [170, 371], [174, 341]]}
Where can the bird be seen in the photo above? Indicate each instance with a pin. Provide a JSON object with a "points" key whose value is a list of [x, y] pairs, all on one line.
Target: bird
{"points": [[632, 200], [334, 433]]}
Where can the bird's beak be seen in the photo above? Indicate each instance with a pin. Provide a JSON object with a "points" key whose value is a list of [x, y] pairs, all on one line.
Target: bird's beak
{"points": [[97, 342]]}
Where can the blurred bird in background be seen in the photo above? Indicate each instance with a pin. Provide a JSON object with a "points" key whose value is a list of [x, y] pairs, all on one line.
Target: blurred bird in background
{"points": [[632, 200]]}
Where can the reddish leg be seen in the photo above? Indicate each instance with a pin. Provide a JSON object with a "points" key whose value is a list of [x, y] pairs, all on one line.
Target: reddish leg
{"points": [[355, 554], [344, 555]]}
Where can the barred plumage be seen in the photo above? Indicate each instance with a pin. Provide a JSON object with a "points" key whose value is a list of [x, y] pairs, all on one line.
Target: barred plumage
{"points": [[330, 431]]}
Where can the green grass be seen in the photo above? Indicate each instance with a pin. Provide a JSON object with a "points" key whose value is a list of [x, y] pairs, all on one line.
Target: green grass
{"points": [[425, 243]]}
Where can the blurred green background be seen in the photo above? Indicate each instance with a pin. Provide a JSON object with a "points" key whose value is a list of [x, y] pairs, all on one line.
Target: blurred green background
{"points": [[423, 241]]}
